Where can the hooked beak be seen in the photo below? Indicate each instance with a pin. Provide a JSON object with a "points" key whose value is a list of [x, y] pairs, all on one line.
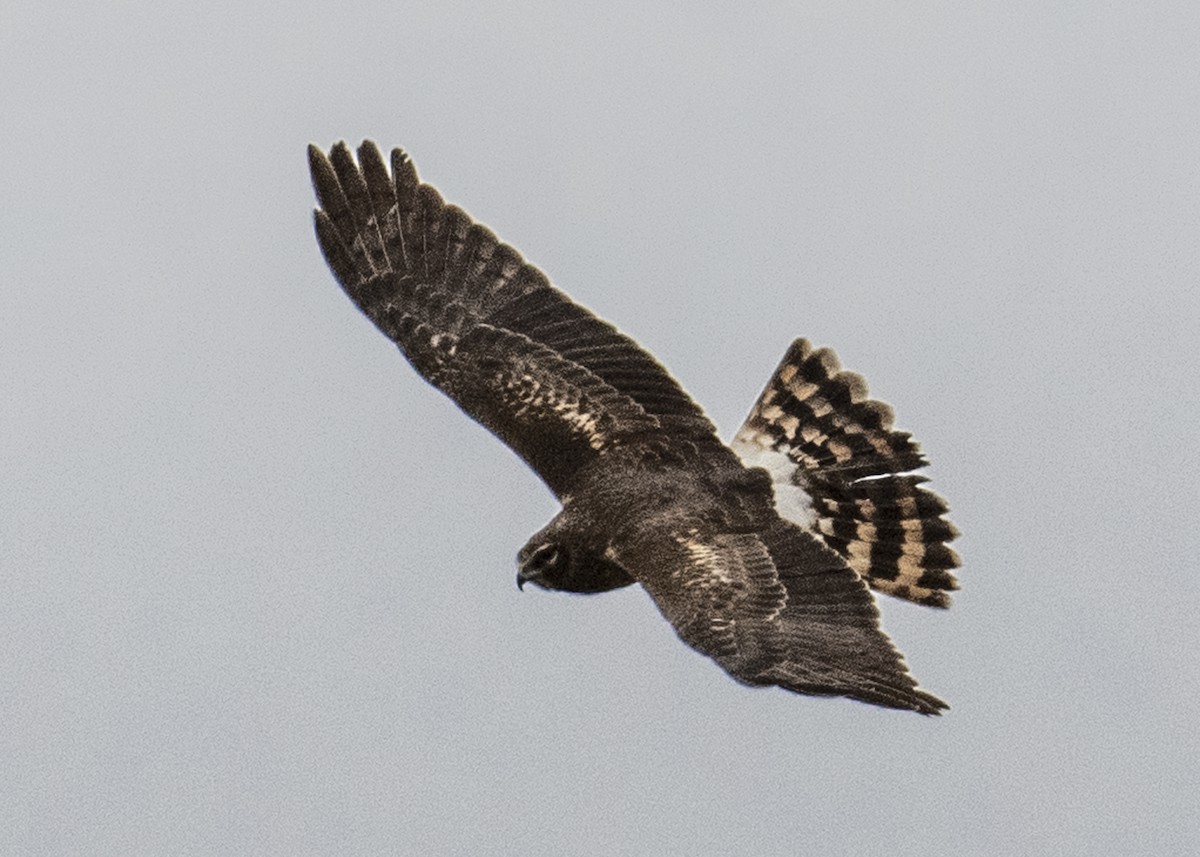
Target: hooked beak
{"points": [[523, 577]]}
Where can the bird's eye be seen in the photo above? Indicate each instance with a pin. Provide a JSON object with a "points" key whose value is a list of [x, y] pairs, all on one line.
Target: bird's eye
{"points": [[544, 558]]}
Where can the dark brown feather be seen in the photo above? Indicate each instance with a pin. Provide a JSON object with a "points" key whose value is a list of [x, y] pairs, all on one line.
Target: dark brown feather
{"points": [[399, 250]]}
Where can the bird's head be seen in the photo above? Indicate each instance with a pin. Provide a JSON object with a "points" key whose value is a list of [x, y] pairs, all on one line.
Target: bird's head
{"points": [[544, 564], [561, 559]]}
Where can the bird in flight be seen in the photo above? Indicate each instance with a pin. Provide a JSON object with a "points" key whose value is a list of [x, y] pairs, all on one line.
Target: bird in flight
{"points": [[761, 553]]}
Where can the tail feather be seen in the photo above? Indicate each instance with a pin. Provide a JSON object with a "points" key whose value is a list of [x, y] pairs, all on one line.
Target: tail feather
{"points": [[827, 443]]}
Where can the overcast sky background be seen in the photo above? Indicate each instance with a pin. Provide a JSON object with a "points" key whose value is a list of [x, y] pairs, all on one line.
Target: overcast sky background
{"points": [[257, 579]]}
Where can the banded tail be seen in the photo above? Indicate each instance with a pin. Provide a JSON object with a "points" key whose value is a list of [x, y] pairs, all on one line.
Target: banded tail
{"points": [[842, 472]]}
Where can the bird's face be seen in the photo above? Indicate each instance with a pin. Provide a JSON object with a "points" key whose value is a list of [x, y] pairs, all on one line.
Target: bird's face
{"points": [[557, 566], [545, 564]]}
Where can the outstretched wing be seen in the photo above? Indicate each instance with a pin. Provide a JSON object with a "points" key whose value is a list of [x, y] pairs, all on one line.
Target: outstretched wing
{"points": [[840, 471], [774, 608], [554, 382]]}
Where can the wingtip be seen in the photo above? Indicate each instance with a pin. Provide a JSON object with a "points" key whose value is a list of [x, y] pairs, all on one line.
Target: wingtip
{"points": [[916, 700], [931, 706], [324, 177], [368, 148], [318, 157]]}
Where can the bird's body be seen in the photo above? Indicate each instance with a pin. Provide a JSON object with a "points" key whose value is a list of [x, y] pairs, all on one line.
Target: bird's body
{"points": [[650, 494]]}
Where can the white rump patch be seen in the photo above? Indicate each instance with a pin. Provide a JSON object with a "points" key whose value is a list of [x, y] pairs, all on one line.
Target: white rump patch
{"points": [[791, 501]]}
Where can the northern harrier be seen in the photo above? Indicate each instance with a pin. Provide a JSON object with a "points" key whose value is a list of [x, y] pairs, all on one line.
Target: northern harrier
{"points": [[760, 553]]}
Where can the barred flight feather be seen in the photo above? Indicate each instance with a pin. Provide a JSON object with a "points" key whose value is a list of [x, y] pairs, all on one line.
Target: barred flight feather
{"points": [[851, 468]]}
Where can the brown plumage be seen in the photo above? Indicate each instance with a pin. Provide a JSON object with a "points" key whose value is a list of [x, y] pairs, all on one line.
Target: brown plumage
{"points": [[649, 493]]}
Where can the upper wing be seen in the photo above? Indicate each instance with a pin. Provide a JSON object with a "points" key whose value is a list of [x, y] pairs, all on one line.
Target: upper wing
{"points": [[774, 608], [556, 383], [840, 472]]}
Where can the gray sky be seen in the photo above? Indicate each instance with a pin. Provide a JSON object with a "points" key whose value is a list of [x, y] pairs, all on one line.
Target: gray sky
{"points": [[256, 578]]}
